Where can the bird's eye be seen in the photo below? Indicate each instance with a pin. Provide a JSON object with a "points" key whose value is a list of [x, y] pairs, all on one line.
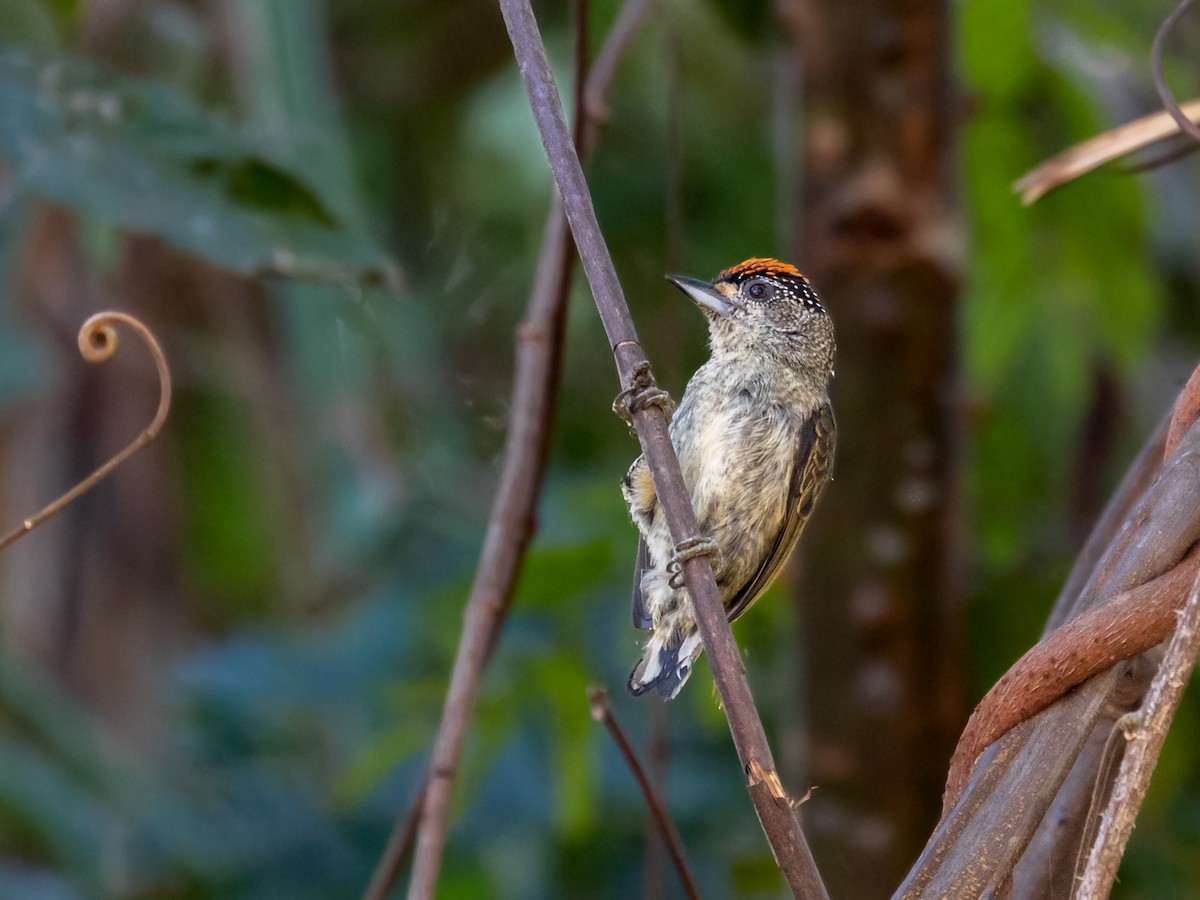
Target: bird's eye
{"points": [[758, 290]]}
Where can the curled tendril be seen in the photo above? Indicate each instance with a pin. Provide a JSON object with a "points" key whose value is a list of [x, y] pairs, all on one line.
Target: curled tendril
{"points": [[1156, 67], [97, 344]]}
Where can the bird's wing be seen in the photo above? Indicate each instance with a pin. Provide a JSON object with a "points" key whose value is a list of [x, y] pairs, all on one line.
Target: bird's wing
{"points": [[638, 489], [641, 618], [810, 471]]}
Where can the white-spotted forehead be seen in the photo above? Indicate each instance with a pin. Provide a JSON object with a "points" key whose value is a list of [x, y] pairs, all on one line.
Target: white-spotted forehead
{"points": [[786, 277]]}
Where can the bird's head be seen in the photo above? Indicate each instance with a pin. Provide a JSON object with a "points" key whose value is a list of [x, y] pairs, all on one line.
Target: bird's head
{"points": [[765, 306]]}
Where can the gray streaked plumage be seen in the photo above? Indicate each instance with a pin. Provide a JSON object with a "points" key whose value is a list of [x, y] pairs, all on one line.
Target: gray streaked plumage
{"points": [[755, 437]]}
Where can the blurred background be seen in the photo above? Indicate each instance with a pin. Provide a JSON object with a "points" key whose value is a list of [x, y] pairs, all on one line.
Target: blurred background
{"points": [[223, 668]]}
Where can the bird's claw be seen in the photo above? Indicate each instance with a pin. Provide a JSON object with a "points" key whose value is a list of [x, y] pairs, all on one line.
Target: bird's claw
{"points": [[641, 393], [685, 550]]}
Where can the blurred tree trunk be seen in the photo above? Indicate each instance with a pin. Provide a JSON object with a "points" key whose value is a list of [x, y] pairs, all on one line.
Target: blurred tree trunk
{"points": [[881, 592]]}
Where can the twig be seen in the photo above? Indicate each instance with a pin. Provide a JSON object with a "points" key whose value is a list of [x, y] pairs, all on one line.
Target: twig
{"points": [[1167, 157], [602, 712], [1111, 753], [1168, 98], [771, 802], [1118, 142], [510, 528], [582, 114], [97, 344], [511, 524], [1077, 161], [1146, 731], [535, 387], [399, 842], [654, 868], [595, 90]]}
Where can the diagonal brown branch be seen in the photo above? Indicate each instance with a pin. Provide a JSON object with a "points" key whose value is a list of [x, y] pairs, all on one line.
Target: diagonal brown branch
{"points": [[511, 526], [771, 802], [1089, 155], [602, 712], [1079, 160]]}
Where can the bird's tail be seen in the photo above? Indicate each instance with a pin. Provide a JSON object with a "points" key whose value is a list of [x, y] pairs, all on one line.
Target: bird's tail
{"points": [[666, 661]]}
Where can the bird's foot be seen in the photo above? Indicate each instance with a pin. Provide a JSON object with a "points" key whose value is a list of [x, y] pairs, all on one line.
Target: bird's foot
{"points": [[641, 393], [689, 549]]}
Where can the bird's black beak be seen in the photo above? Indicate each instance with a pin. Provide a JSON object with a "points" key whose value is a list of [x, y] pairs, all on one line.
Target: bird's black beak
{"points": [[704, 294]]}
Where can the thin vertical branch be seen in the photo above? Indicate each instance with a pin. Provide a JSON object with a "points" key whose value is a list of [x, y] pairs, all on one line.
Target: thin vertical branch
{"points": [[654, 867], [602, 713], [582, 115], [771, 801], [404, 831], [510, 528], [511, 525], [1146, 731]]}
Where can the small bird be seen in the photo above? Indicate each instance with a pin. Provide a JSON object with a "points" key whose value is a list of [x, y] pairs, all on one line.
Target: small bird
{"points": [[755, 437]]}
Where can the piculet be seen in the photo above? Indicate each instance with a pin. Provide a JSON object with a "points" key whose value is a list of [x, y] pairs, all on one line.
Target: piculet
{"points": [[755, 437]]}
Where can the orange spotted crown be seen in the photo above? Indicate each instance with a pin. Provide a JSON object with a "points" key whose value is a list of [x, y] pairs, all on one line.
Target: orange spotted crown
{"points": [[757, 266]]}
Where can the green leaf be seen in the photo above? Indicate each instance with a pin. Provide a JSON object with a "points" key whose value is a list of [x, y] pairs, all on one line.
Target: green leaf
{"points": [[143, 156], [257, 183]]}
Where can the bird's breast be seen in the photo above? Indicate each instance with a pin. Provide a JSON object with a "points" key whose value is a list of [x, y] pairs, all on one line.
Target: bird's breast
{"points": [[735, 451]]}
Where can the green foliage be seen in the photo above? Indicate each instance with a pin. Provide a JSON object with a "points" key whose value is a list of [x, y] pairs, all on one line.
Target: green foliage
{"points": [[1055, 292], [143, 156]]}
